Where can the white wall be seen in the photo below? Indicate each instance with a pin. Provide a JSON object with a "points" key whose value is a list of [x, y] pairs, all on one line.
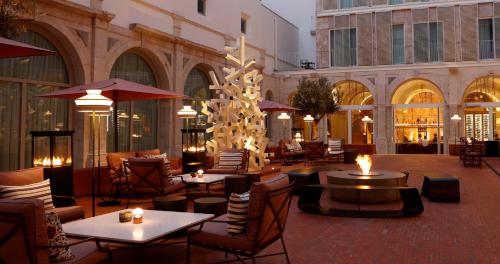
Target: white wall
{"points": [[222, 18], [301, 13]]}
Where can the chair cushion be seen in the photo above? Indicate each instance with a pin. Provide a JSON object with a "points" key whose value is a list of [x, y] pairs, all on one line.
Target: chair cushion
{"points": [[335, 144], [215, 234], [237, 210], [69, 213], [114, 159], [166, 164], [335, 152], [40, 190], [57, 237], [21, 177], [230, 159], [257, 204]]}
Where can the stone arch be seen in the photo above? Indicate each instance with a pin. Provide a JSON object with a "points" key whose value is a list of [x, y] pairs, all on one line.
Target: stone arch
{"points": [[269, 95], [72, 52], [492, 89], [205, 67], [365, 99], [157, 65], [403, 90]]}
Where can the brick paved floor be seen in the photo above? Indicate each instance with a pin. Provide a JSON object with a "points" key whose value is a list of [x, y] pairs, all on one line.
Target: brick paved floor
{"points": [[468, 232]]}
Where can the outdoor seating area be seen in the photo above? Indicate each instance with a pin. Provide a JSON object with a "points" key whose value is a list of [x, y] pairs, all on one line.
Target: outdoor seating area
{"points": [[249, 131]]}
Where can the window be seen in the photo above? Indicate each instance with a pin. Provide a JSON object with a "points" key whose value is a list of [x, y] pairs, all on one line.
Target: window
{"points": [[395, 2], [398, 44], [486, 39], [137, 120], [243, 25], [201, 7], [352, 3], [343, 47], [21, 79], [428, 42], [197, 87]]}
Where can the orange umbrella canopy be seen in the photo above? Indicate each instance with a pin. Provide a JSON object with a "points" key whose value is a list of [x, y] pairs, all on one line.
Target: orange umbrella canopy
{"points": [[270, 106], [11, 48], [117, 90]]}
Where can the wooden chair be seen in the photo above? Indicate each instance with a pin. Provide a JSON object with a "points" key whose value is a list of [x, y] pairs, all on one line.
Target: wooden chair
{"points": [[147, 177], [335, 150], [23, 236], [473, 154], [315, 150], [267, 214], [230, 165]]}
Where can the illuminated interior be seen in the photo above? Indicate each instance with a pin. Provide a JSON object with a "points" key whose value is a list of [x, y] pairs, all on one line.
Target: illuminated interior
{"points": [[352, 96], [417, 117], [481, 111]]}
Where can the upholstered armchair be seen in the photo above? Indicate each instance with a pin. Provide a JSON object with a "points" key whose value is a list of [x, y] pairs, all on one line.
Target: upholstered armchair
{"points": [[266, 218]]}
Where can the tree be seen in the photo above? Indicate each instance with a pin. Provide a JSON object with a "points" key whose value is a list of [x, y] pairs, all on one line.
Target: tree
{"points": [[10, 12], [315, 97]]}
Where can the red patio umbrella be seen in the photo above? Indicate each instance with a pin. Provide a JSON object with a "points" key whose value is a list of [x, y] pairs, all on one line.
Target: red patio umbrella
{"points": [[11, 48], [117, 90], [270, 106]]}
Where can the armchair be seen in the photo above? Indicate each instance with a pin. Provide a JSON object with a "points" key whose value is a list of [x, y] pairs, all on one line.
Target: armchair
{"points": [[267, 214], [24, 239], [230, 161]]}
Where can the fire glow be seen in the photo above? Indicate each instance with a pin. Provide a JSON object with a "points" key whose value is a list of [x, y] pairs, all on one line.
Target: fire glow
{"points": [[194, 149], [365, 163], [56, 161]]}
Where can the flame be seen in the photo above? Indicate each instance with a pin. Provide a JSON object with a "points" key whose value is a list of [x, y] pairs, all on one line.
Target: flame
{"points": [[46, 162], [194, 149], [365, 163]]}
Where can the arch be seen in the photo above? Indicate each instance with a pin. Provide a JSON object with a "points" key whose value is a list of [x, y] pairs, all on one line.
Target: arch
{"points": [[353, 93], [407, 92], [269, 95], [156, 64], [197, 82], [72, 52], [204, 66], [483, 89]]}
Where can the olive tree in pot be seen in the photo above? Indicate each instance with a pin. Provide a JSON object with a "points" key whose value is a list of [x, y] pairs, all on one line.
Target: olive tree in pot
{"points": [[317, 98]]}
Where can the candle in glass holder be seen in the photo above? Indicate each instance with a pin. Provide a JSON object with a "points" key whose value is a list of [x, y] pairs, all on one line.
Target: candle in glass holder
{"points": [[137, 215], [200, 173]]}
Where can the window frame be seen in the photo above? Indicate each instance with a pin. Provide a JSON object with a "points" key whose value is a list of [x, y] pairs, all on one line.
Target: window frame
{"points": [[493, 36], [355, 57], [439, 24]]}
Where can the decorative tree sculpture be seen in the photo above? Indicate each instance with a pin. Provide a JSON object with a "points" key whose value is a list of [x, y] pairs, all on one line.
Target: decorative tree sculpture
{"points": [[234, 113]]}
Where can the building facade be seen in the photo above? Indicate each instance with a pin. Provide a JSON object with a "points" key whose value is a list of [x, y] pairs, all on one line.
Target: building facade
{"points": [[409, 66], [172, 45]]}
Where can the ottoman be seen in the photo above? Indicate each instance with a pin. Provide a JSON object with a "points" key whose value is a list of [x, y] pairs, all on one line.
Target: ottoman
{"points": [[211, 205], [302, 178], [235, 184], [441, 189], [170, 203]]}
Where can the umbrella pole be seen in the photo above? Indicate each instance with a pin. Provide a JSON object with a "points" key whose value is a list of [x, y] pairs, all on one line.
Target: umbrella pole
{"points": [[115, 119]]}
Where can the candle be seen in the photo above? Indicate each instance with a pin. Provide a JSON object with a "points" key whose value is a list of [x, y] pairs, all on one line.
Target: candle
{"points": [[200, 173], [137, 212]]}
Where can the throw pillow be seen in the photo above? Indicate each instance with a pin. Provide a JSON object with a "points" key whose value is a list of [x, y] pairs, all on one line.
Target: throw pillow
{"points": [[237, 210], [230, 160], [58, 242], [166, 164], [297, 146], [40, 190], [125, 170], [289, 147]]}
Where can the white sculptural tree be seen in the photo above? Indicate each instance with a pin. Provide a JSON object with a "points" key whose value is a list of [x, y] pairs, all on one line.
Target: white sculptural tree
{"points": [[234, 113]]}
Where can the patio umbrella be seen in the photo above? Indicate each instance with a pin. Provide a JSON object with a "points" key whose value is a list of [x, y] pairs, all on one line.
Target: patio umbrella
{"points": [[11, 48], [270, 106], [117, 90]]}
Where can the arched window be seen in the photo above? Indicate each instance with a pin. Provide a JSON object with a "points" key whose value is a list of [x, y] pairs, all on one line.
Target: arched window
{"points": [[21, 79], [197, 87], [482, 108], [137, 120]]}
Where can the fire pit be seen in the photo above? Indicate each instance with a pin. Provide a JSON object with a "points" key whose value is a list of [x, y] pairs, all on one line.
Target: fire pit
{"points": [[366, 178]]}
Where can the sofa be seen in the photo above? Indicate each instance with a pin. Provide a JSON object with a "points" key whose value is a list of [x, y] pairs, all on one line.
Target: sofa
{"points": [[23, 226], [34, 175]]}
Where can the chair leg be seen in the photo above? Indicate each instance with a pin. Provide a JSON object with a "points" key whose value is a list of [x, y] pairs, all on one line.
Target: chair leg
{"points": [[284, 249], [188, 252]]}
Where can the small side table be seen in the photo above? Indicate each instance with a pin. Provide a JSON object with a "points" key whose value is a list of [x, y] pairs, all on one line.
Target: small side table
{"points": [[211, 205], [441, 189], [170, 203], [350, 156], [235, 184], [302, 178]]}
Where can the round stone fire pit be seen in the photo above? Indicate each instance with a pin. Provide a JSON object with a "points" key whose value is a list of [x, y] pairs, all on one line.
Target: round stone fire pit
{"points": [[366, 196]]}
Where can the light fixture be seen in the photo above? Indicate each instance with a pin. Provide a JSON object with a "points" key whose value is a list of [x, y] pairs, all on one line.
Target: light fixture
{"points": [[186, 112], [283, 116], [93, 101], [456, 118], [308, 118], [366, 119]]}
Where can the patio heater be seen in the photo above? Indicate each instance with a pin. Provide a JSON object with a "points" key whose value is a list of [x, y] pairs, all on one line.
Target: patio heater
{"points": [[308, 119], [97, 105], [366, 120], [53, 150], [456, 119], [193, 142]]}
